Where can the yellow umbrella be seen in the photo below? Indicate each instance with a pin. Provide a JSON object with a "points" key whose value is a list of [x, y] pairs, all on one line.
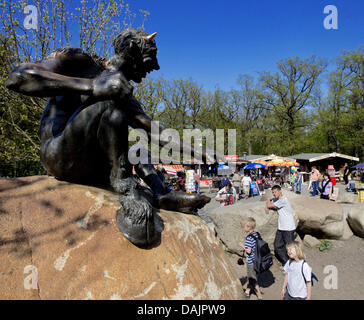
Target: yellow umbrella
{"points": [[290, 163], [270, 164]]}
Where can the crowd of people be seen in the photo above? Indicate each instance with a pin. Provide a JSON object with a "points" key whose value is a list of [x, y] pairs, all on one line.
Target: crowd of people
{"points": [[240, 186], [245, 184], [236, 186]]}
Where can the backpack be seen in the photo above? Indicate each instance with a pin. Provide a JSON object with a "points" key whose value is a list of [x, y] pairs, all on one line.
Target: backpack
{"points": [[263, 257], [313, 276]]}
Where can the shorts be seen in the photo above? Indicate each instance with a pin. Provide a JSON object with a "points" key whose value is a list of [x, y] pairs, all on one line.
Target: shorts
{"points": [[246, 190], [251, 274], [287, 296]]}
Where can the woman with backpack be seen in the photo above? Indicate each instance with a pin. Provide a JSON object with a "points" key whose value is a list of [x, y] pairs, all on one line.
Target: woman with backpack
{"points": [[326, 187], [297, 282]]}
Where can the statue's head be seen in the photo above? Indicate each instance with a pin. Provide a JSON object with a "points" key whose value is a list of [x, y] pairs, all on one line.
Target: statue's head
{"points": [[138, 51]]}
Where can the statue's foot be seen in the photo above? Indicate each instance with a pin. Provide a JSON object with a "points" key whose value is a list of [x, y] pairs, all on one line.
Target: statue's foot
{"points": [[136, 219], [182, 202]]}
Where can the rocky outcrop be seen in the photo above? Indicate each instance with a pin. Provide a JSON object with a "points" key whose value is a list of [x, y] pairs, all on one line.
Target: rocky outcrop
{"points": [[320, 218], [61, 241], [310, 241], [347, 197], [229, 222], [356, 220]]}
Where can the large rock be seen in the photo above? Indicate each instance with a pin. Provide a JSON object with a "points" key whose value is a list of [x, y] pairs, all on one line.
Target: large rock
{"points": [[310, 241], [318, 217], [347, 197], [348, 233], [65, 235], [229, 223], [356, 220], [321, 218]]}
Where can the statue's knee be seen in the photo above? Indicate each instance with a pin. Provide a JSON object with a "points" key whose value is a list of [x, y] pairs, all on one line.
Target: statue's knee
{"points": [[116, 119]]}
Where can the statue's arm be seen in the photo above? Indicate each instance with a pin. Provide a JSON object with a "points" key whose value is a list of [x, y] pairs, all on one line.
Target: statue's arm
{"points": [[47, 78], [141, 120], [42, 79]]}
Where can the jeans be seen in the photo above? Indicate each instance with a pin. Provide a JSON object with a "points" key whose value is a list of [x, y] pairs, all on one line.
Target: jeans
{"points": [[298, 186], [197, 187], [280, 241], [315, 186]]}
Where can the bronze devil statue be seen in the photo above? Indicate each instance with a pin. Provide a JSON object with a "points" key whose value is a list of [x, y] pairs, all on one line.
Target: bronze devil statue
{"points": [[84, 127]]}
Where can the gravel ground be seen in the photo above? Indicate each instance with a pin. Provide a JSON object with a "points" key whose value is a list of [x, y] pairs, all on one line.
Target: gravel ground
{"points": [[345, 258]]}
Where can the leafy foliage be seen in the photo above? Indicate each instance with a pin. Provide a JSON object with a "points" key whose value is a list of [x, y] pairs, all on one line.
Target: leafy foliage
{"points": [[89, 25]]}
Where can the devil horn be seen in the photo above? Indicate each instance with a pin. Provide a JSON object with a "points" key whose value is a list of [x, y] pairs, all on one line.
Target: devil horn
{"points": [[150, 37]]}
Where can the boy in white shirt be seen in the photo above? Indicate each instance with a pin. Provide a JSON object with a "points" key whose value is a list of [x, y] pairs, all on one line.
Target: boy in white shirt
{"points": [[246, 182]]}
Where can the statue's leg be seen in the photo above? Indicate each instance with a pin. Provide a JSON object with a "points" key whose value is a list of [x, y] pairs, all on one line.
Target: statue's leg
{"points": [[74, 153], [135, 219], [166, 199], [147, 172], [112, 136], [93, 147]]}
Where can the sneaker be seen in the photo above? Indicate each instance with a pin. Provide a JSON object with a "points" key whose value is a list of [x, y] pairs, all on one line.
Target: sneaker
{"points": [[247, 296]]}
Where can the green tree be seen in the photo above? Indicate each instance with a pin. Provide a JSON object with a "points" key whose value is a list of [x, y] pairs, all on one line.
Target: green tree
{"points": [[352, 64], [90, 25], [150, 94], [288, 93], [250, 111]]}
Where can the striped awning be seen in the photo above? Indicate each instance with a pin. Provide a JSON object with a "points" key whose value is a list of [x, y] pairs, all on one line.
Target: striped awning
{"points": [[172, 169]]}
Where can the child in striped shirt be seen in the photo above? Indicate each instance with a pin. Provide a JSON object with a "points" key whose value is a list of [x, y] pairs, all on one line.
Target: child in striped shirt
{"points": [[249, 247]]}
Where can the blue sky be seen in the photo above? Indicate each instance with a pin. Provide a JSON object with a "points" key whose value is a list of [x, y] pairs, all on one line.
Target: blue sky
{"points": [[214, 41]]}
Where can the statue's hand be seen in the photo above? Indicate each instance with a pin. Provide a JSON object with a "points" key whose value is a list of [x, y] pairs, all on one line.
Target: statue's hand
{"points": [[111, 85]]}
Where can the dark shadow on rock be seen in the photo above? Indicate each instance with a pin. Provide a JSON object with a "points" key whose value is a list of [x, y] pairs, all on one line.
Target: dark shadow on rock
{"points": [[2, 211], [18, 183], [348, 222], [71, 238], [58, 212], [21, 237], [243, 281], [96, 222], [30, 194], [19, 243]]}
